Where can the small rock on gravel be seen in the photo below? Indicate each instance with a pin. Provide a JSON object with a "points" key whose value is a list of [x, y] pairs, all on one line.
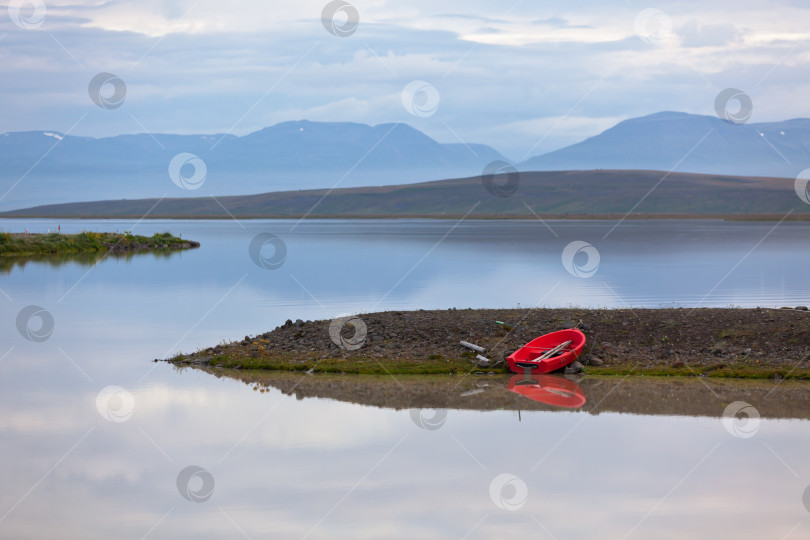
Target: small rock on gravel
{"points": [[591, 360], [573, 367]]}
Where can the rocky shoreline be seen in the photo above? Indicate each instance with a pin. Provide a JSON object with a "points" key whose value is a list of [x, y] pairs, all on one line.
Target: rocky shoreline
{"points": [[712, 342]]}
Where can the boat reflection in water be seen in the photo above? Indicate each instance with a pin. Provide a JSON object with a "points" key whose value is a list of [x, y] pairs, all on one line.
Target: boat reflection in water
{"points": [[549, 389]]}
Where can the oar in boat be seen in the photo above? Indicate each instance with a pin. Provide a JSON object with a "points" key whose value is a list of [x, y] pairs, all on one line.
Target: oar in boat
{"points": [[553, 352]]}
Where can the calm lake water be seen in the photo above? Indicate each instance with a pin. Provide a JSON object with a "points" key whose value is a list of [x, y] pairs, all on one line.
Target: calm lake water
{"points": [[83, 460]]}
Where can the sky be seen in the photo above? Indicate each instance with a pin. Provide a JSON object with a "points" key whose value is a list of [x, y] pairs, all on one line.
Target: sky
{"points": [[525, 77]]}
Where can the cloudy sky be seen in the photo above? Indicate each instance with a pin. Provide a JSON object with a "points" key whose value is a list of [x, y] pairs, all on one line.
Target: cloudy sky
{"points": [[525, 77]]}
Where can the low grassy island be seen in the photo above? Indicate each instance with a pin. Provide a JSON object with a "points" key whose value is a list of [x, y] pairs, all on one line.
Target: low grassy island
{"points": [[26, 244], [707, 342]]}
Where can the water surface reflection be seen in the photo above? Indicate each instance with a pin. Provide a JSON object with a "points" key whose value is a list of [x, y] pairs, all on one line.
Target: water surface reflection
{"points": [[55, 260], [673, 396]]}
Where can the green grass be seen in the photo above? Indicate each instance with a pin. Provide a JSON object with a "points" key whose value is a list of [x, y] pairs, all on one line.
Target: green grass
{"points": [[457, 366], [355, 366], [719, 372], [86, 242]]}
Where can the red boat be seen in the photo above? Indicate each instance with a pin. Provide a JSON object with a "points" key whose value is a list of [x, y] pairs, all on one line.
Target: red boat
{"points": [[527, 358], [549, 389]]}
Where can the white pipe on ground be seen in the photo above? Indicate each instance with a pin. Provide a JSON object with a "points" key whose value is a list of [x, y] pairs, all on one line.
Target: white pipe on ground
{"points": [[472, 346]]}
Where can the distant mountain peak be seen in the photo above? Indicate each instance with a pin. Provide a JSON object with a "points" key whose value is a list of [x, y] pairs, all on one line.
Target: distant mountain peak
{"points": [[665, 115], [304, 154], [683, 142], [288, 155]]}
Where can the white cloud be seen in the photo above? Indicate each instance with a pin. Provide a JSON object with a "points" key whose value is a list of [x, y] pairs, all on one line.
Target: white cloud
{"points": [[504, 75]]}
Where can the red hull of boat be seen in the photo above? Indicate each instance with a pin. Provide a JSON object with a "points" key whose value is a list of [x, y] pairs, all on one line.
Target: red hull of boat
{"points": [[523, 359]]}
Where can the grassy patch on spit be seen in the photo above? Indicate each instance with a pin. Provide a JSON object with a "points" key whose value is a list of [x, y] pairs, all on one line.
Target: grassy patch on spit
{"points": [[721, 372], [355, 365], [12, 244]]}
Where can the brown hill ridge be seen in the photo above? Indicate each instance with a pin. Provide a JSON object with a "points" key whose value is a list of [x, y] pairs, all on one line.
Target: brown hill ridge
{"points": [[582, 194]]}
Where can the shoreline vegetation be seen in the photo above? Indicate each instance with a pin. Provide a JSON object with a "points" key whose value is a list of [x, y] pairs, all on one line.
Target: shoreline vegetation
{"points": [[35, 244], [753, 343]]}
